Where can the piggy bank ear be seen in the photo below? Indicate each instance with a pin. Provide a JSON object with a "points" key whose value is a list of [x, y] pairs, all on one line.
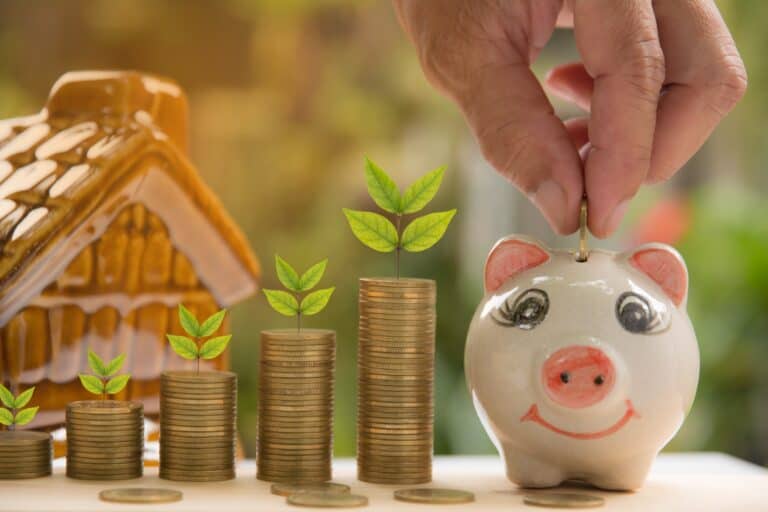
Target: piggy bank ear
{"points": [[509, 257], [665, 267]]}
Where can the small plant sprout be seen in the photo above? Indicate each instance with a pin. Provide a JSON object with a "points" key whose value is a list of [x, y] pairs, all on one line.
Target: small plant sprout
{"points": [[15, 411], [380, 234], [104, 380], [196, 346], [290, 303]]}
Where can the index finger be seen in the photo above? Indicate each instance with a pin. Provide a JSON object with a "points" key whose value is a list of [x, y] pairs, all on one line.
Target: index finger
{"points": [[619, 44]]}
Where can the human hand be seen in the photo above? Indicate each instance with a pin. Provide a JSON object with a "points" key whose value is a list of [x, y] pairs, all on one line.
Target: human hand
{"points": [[656, 77]]}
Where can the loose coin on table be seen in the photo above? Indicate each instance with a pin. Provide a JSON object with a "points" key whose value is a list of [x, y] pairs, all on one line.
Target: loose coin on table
{"points": [[288, 489], [140, 495], [327, 500], [563, 500], [436, 496]]}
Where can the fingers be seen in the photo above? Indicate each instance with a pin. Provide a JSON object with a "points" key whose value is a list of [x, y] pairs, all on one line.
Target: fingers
{"points": [[619, 44], [571, 82], [521, 137], [484, 68], [704, 81]]}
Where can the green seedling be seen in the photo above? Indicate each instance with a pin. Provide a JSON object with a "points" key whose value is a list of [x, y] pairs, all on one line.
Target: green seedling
{"points": [[291, 303], [15, 411], [381, 234], [196, 346], [104, 380]]}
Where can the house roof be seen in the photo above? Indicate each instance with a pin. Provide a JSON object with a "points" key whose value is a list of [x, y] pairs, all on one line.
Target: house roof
{"points": [[105, 139]]}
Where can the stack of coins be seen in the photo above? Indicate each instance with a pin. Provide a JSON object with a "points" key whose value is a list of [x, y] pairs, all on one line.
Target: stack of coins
{"points": [[198, 415], [395, 364], [105, 440], [296, 405], [24, 454]]}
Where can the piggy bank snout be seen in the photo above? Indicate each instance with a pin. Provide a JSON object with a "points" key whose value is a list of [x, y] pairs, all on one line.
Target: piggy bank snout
{"points": [[578, 376]]}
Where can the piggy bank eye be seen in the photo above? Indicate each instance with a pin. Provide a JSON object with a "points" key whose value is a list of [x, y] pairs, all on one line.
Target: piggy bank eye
{"points": [[635, 313], [526, 312]]}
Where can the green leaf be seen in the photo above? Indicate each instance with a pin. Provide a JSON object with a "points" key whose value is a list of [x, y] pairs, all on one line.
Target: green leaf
{"points": [[382, 188], [418, 195], [23, 398], [286, 274], [183, 346], [116, 384], [92, 384], [6, 418], [6, 397], [214, 346], [96, 364], [426, 231], [374, 230], [188, 321], [212, 323], [315, 302], [24, 416], [311, 277], [114, 365], [282, 302]]}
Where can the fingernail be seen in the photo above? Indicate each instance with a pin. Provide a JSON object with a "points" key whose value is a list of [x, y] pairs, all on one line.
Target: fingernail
{"points": [[549, 197], [613, 221]]}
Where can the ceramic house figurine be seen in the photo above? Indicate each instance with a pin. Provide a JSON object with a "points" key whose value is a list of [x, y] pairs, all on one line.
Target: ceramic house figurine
{"points": [[105, 227], [581, 370]]}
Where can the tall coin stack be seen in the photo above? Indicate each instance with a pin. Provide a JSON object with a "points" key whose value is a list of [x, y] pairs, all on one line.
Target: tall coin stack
{"points": [[198, 415], [105, 439], [25, 454], [295, 441], [395, 364]]}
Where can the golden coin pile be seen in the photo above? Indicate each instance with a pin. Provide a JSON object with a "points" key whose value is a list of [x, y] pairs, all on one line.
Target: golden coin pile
{"points": [[295, 440], [105, 439], [198, 414], [395, 365], [24, 454]]}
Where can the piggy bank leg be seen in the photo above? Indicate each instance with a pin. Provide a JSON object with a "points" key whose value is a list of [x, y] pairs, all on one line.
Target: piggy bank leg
{"points": [[625, 476], [528, 471]]}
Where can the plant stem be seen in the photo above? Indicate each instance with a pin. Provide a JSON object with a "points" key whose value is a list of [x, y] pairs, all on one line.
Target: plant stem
{"points": [[298, 321], [103, 388], [197, 359], [397, 250], [12, 426]]}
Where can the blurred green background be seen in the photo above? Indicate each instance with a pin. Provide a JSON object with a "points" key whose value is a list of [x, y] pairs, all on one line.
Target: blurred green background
{"points": [[287, 96]]}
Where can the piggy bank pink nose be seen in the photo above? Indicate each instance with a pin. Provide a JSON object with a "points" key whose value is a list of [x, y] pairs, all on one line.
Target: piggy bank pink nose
{"points": [[578, 376]]}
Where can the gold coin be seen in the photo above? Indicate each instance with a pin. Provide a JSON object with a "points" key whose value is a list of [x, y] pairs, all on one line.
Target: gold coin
{"points": [[196, 475], [434, 496], [198, 377], [182, 442], [16, 438], [289, 459], [25, 453], [20, 476], [116, 455], [288, 489], [140, 495], [563, 500], [103, 477], [104, 407], [327, 500]]}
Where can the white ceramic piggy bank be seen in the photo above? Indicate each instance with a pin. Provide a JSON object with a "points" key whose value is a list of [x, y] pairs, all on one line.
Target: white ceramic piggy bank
{"points": [[581, 370]]}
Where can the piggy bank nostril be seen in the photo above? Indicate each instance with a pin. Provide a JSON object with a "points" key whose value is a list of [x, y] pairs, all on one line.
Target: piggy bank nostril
{"points": [[565, 377], [599, 380]]}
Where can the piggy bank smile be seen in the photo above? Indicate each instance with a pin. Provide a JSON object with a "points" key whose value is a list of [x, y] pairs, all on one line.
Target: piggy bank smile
{"points": [[564, 356], [534, 416]]}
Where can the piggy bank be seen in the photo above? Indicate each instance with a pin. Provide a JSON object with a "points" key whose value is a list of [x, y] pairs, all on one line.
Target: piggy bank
{"points": [[581, 370]]}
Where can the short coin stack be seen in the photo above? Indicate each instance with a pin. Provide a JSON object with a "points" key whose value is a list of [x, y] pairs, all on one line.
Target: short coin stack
{"points": [[198, 415], [105, 440], [395, 364], [24, 454], [295, 440]]}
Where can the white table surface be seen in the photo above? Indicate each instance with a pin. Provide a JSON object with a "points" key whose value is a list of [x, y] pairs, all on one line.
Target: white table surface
{"points": [[691, 481]]}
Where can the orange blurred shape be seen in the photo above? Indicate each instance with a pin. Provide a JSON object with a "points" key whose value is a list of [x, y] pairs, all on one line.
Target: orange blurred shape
{"points": [[667, 222]]}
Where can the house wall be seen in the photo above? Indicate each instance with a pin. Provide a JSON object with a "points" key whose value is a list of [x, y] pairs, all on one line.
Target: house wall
{"points": [[120, 295]]}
